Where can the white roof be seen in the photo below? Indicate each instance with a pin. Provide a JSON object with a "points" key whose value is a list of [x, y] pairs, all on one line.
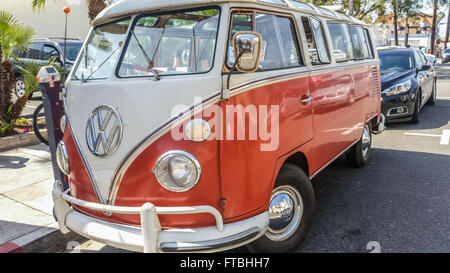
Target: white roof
{"points": [[130, 7]]}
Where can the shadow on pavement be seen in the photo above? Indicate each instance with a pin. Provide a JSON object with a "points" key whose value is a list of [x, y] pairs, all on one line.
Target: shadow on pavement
{"points": [[400, 199], [13, 162]]}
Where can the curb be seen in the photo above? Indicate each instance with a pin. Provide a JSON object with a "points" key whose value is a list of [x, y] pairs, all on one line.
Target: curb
{"points": [[17, 141]]}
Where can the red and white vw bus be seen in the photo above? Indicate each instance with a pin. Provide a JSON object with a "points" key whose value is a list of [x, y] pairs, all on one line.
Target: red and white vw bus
{"points": [[196, 126]]}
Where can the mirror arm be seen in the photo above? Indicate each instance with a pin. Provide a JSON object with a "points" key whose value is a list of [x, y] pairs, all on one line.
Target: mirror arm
{"points": [[226, 92]]}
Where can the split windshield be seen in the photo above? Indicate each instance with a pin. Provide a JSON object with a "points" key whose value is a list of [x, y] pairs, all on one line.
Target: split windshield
{"points": [[180, 42], [102, 51]]}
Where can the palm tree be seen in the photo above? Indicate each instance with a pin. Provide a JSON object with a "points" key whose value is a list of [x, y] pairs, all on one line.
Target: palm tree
{"points": [[17, 36], [94, 6]]}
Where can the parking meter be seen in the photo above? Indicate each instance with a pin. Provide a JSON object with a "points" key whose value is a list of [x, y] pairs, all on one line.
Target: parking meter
{"points": [[50, 85]]}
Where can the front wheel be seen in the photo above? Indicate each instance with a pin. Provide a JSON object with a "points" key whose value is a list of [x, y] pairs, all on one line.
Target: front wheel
{"points": [[416, 115], [290, 212], [433, 97]]}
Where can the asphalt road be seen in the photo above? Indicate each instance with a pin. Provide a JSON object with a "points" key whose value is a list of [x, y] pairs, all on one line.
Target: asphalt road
{"points": [[400, 201]]}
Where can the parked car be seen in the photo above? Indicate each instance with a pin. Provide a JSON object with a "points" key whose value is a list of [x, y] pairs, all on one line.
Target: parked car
{"points": [[145, 174], [446, 55], [42, 51], [408, 81]]}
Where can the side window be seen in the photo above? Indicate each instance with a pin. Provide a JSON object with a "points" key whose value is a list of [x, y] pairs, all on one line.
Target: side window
{"points": [[417, 58], [240, 21], [317, 48], [50, 53], [369, 42], [360, 47], [342, 45], [289, 43], [34, 51], [280, 47], [20, 53], [423, 58]]}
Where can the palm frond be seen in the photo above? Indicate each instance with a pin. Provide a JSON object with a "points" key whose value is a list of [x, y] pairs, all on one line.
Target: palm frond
{"points": [[7, 21]]}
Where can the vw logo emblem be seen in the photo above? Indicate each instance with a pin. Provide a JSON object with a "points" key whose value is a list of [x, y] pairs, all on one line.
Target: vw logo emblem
{"points": [[103, 131]]}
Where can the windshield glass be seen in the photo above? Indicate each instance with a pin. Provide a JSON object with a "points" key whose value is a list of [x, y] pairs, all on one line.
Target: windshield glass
{"points": [[395, 60], [447, 50], [102, 51], [71, 50], [180, 42]]}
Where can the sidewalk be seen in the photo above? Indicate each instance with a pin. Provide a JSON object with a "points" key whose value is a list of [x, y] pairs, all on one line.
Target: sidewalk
{"points": [[26, 205]]}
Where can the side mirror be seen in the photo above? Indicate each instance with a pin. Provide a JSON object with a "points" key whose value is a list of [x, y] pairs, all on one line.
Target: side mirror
{"points": [[425, 67], [247, 51]]}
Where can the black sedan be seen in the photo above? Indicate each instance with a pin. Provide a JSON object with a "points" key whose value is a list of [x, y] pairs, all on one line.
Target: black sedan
{"points": [[408, 82]]}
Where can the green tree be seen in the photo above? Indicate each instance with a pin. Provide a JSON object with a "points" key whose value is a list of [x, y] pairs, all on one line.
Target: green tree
{"points": [[365, 10], [17, 36], [408, 9]]}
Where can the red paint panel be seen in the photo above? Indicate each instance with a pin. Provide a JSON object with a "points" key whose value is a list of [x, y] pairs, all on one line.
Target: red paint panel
{"points": [[340, 102], [10, 248], [246, 171]]}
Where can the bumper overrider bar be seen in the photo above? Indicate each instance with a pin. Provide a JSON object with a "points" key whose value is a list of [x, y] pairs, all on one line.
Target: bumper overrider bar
{"points": [[150, 237], [381, 125]]}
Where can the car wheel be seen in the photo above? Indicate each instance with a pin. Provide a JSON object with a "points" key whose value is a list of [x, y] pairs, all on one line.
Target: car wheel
{"points": [[415, 117], [432, 99], [290, 212], [19, 87], [358, 155]]}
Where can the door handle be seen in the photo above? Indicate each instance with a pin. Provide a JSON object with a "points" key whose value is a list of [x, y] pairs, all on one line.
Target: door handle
{"points": [[306, 99]]}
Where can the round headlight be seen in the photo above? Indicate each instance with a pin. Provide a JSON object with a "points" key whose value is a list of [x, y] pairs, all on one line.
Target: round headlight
{"points": [[177, 171], [197, 130], [62, 158], [62, 123]]}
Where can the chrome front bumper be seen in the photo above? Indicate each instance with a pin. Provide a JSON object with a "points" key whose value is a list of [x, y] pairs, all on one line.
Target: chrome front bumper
{"points": [[150, 238]]}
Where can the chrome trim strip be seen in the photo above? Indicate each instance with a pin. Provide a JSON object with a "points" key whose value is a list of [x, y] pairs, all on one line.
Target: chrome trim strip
{"points": [[398, 114], [210, 244], [332, 160]]}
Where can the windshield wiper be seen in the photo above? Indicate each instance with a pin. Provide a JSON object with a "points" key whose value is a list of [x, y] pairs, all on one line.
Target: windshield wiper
{"points": [[100, 66], [150, 62]]}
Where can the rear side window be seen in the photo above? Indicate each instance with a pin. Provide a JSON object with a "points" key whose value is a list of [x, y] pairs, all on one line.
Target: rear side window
{"points": [[50, 53], [422, 57], [369, 42], [34, 51], [419, 61], [279, 40], [342, 45], [359, 42], [317, 47]]}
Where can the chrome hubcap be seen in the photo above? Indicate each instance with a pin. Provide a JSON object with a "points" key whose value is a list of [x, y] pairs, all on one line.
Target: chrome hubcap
{"points": [[285, 213], [20, 88], [366, 140]]}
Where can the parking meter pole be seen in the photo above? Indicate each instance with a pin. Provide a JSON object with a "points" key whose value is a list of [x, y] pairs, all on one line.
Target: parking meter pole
{"points": [[50, 85]]}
